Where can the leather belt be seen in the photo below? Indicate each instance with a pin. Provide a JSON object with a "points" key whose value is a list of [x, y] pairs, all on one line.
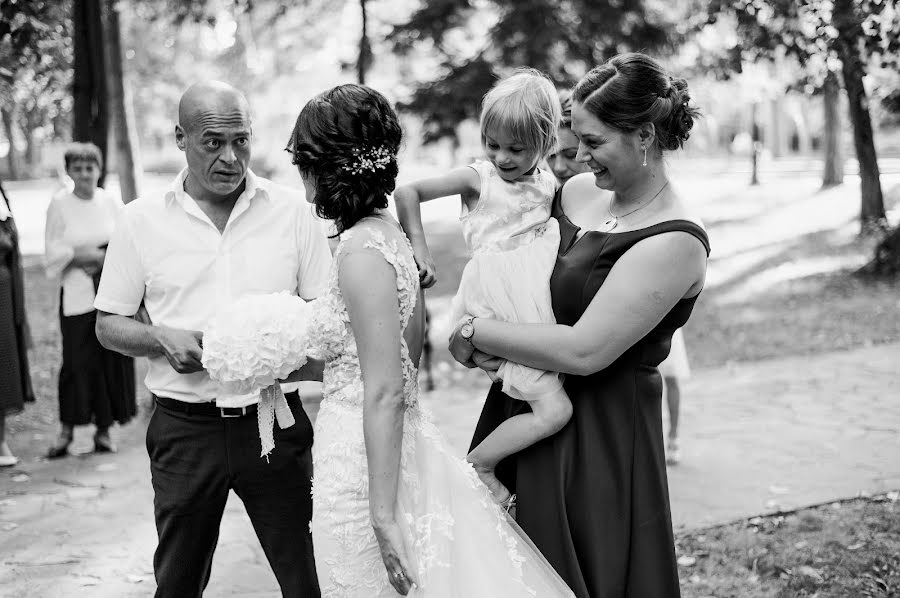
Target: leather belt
{"points": [[205, 409]]}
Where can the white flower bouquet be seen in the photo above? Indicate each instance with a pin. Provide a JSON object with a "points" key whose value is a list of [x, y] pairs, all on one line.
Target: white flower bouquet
{"points": [[252, 344]]}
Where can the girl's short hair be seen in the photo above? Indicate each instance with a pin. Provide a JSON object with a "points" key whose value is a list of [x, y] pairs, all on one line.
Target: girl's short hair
{"points": [[347, 140], [633, 89], [526, 105], [87, 152]]}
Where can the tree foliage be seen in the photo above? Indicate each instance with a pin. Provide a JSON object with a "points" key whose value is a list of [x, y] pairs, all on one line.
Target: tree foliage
{"points": [[35, 71], [826, 36], [561, 38]]}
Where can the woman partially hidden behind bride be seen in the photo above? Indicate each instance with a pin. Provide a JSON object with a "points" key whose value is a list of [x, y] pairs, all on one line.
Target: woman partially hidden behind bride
{"points": [[394, 510]]}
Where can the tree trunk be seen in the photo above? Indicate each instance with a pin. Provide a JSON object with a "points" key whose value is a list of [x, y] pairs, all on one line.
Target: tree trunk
{"points": [[31, 123], [11, 160], [834, 159], [872, 216], [120, 108], [365, 48], [886, 261], [90, 118]]}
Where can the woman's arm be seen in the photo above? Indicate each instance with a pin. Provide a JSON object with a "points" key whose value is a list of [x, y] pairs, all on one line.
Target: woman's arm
{"points": [[59, 256], [642, 287], [462, 181], [369, 287]]}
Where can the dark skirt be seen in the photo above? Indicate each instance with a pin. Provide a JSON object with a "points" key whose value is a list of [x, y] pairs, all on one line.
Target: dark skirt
{"points": [[15, 389], [96, 385]]}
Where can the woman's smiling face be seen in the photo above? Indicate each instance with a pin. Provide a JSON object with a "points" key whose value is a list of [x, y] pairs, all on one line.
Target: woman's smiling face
{"points": [[613, 156]]}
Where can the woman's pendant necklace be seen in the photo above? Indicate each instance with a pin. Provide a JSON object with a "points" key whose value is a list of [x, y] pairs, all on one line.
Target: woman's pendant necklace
{"points": [[610, 223]]}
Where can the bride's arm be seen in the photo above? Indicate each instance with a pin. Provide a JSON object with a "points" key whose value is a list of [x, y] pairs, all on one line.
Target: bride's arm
{"points": [[642, 287], [369, 287]]}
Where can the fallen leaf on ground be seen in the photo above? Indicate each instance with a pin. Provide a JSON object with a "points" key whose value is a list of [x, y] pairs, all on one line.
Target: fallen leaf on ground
{"points": [[134, 578], [811, 573], [801, 544], [20, 478], [778, 490], [856, 546], [107, 467], [686, 560]]}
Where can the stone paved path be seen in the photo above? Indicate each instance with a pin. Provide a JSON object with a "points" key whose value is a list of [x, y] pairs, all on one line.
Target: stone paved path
{"points": [[756, 437]]}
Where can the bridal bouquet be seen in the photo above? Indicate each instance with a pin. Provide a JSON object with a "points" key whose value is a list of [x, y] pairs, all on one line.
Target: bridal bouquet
{"points": [[252, 344]]}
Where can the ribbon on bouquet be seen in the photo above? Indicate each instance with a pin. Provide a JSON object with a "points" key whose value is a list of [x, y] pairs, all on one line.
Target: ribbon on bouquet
{"points": [[272, 406]]}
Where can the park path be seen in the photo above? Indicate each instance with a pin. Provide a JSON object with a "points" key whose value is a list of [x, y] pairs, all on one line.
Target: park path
{"points": [[756, 437]]}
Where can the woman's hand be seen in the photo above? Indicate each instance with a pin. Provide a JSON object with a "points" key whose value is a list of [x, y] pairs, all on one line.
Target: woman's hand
{"points": [[393, 554], [488, 363], [460, 348]]}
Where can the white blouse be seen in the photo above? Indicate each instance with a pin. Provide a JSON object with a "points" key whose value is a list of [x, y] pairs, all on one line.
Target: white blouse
{"points": [[73, 222]]}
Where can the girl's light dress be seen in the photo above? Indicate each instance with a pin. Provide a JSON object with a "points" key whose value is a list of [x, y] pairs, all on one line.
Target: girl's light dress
{"points": [[513, 242]]}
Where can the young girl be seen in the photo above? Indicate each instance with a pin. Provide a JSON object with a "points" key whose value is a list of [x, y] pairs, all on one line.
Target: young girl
{"points": [[506, 203]]}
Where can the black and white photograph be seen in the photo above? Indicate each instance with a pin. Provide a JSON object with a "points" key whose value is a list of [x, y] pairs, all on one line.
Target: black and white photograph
{"points": [[450, 298]]}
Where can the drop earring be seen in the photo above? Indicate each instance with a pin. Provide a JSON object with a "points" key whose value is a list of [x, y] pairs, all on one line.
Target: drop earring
{"points": [[644, 147]]}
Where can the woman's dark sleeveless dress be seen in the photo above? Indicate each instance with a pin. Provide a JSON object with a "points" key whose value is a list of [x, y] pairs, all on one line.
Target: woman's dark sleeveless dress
{"points": [[594, 497]]}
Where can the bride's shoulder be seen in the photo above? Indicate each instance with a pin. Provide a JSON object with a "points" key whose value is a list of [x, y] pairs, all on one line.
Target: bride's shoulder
{"points": [[378, 234]]}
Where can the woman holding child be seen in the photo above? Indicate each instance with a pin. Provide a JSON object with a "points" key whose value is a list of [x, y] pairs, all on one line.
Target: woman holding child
{"points": [[632, 261]]}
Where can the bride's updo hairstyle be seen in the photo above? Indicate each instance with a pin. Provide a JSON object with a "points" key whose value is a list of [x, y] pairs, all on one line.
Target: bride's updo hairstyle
{"points": [[633, 89], [346, 139]]}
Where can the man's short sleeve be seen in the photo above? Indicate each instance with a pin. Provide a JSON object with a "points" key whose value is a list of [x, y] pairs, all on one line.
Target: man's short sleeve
{"points": [[315, 257], [122, 282]]}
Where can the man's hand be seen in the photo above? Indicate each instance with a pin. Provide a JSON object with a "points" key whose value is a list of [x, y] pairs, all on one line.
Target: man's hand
{"points": [[426, 265], [182, 348]]}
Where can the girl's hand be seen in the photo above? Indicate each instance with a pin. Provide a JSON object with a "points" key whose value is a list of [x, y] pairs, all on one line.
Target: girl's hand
{"points": [[393, 554], [460, 348], [488, 363], [425, 263]]}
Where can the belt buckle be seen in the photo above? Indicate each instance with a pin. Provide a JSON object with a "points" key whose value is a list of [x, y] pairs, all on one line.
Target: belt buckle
{"points": [[222, 412]]}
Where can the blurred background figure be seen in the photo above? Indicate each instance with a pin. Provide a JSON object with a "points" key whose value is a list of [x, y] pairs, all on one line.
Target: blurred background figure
{"points": [[15, 379], [95, 385], [674, 370], [562, 162]]}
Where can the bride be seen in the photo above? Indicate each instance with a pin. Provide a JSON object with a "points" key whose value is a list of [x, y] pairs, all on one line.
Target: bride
{"points": [[393, 510]]}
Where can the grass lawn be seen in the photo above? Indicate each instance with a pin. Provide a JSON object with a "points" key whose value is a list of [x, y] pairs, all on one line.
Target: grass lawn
{"points": [[847, 549]]}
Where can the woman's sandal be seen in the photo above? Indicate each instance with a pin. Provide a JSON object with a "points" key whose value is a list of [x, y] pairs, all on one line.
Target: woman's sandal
{"points": [[60, 449], [103, 444]]}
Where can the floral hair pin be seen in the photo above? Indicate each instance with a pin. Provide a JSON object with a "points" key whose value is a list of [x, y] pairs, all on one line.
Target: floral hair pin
{"points": [[369, 160]]}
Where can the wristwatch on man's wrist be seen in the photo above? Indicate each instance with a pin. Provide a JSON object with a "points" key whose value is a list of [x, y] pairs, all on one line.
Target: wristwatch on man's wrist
{"points": [[467, 331]]}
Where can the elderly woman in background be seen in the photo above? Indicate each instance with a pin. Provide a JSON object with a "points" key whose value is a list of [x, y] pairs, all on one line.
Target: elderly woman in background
{"points": [[95, 385], [15, 379], [631, 264], [563, 161]]}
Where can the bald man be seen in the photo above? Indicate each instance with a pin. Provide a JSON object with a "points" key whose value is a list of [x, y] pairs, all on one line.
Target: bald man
{"points": [[218, 233]]}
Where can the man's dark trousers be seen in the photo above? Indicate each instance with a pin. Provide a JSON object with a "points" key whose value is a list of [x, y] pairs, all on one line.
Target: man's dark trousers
{"points": [[195, 459]]}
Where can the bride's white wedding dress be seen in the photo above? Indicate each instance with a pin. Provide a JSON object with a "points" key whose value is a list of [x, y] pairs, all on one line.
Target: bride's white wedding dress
{"points": [[460, 543]]}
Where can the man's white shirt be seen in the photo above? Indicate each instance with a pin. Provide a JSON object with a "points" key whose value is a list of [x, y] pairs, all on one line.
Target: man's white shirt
{"points": [[167, 253]]}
